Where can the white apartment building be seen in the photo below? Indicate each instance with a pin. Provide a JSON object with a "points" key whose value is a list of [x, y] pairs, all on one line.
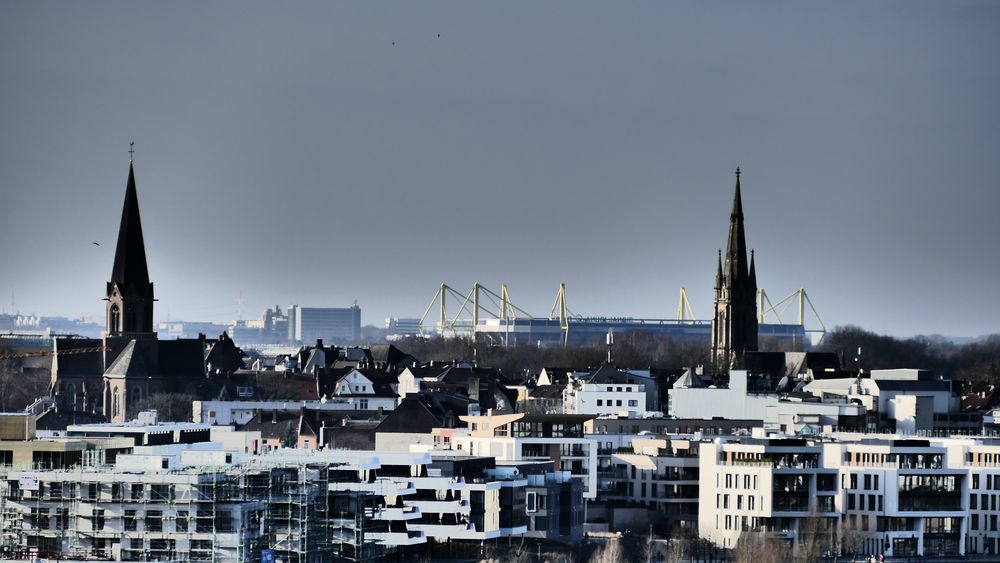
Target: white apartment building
{"points": [[690, 398], [858, 494], [662, 475], [606, 391], [238, 413], [534, 437]]}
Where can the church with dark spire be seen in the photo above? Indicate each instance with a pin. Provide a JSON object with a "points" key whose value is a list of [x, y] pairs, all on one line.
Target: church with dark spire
{"points": [[734, 327], [108, 378]]}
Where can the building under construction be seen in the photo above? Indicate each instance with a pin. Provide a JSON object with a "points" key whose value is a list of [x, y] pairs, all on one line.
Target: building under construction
{"points": [[215, 512]]}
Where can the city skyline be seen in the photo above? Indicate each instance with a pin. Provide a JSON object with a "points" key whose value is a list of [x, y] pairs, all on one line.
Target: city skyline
{"points": [[865, 177]]}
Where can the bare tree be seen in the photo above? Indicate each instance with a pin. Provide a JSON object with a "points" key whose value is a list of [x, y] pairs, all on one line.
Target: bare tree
{"points": [[610, 552], [650, 549], [850, 539], [756, 547], [679, 546], [815, 536], [20, 384]]}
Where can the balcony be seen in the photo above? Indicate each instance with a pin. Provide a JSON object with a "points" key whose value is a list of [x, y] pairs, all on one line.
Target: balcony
{"points": [[790, 502], [389, 539], [439, 506], [404, 513]]}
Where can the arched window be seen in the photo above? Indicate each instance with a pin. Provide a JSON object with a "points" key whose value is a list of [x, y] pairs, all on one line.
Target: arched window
{"points": [[116, 403], [114, 322]]}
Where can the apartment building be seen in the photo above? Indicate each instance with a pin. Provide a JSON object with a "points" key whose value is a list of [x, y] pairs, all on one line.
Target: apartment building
{"points": [[607, 391], [615, 434], [661, 475], [534, 437], [888, 495]]}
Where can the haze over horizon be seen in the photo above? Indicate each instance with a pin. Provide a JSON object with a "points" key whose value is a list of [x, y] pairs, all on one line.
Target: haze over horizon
{"points": [[370, 152]]}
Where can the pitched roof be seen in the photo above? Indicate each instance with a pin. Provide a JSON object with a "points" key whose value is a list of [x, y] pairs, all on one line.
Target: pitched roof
{"points": [[181, 357], [391, 356], [130, 363], [428, 371], [273, 424], [608, 373], [421, 412], [130, 255], [547, 392], [381, 386], [912, 385], [87, 363]]}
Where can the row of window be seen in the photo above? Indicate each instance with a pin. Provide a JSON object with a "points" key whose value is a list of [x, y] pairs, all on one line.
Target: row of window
{"points": [[618, 403], [870, 481], [874, 502], [722, 501], [992, 481], [733, 481]]}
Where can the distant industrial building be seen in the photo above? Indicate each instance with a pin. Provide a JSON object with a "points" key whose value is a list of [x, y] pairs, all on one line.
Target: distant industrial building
{"points": [[308, 324], [403, 326]]}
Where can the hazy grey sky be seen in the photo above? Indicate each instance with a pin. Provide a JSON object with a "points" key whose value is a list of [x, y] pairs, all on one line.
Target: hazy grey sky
{"points": [[300, 156]]}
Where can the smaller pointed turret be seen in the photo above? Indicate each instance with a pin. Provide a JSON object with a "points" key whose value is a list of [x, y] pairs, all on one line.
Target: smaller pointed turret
{"points": [[718, 273]]}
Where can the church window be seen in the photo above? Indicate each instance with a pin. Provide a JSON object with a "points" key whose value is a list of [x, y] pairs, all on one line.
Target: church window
{"points": [[115, 321]]}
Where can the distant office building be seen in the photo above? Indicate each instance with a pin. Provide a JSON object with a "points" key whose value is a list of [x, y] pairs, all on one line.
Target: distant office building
{"points": [[308, 324], [270, 328], [187, 329], [402, 326]]}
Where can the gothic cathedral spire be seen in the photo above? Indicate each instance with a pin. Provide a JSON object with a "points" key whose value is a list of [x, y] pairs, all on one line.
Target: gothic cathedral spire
{"points": [[130, 293], [734, 328]]}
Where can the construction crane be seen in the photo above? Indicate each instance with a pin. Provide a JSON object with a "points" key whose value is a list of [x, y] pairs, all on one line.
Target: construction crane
{"points": [[40, 353]]}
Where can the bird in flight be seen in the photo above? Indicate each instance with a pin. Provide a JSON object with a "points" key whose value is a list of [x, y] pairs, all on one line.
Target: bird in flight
{"points": [[96, 243]]}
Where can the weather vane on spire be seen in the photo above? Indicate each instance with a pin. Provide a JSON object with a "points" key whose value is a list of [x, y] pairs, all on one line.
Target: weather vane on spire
{"points": [[737, 171], [131, 150]]}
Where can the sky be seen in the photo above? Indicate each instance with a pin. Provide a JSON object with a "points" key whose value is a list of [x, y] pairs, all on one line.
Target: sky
{"points": [[325, 153]]}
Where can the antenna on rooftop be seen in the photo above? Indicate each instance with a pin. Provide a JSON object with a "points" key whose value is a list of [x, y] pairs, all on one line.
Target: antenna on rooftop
{"points": [[239, 306]]}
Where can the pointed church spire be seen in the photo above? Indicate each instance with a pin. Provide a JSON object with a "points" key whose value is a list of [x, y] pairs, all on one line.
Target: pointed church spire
{"points": [[130, 256], [718, 272], [736, 247], [734, 328], [129, 292]]}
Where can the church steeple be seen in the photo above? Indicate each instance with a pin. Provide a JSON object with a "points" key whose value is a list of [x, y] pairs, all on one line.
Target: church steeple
{"points": [[734, 328], [130, 255], [736, 246], [130, 293]]}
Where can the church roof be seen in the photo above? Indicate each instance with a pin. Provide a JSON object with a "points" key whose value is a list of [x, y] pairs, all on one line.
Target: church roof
{"points": [[130, 255], [85, 363], [130, 363]]}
